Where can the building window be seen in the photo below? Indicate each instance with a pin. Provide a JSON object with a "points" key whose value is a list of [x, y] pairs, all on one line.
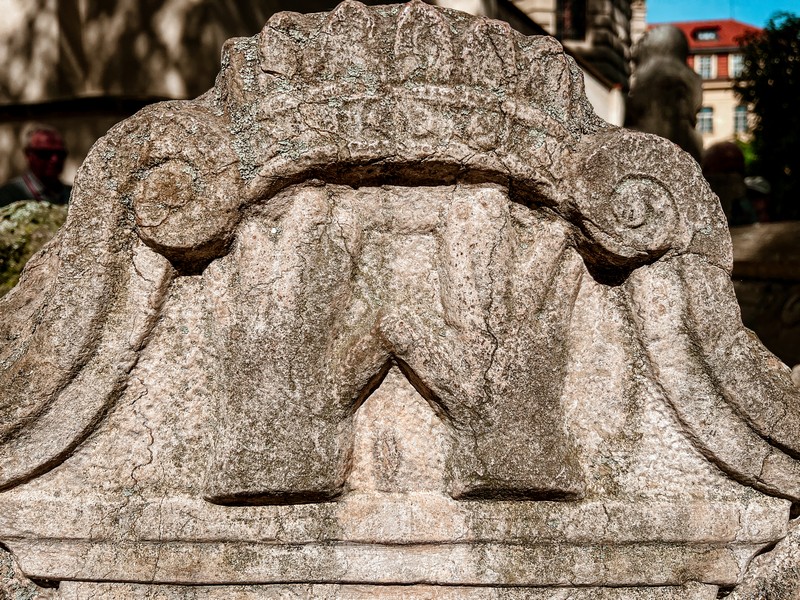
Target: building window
{"points": [[704, 65], [705, 120], [735, 65], [706, 35], [571, 19], [740, 119]]}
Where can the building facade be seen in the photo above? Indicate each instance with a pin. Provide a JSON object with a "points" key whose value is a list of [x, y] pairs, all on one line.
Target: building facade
{"points": [[599, 31], [715, 53]]}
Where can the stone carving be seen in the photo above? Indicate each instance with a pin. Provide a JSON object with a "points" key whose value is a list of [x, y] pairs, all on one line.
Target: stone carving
{"points": [[389, 313]]}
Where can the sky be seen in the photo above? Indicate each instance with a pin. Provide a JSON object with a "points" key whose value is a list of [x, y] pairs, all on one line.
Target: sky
{"points": [[753, 12]]}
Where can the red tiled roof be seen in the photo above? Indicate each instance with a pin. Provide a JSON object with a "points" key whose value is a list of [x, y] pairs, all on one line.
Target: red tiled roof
{"points": [[728, 32]]}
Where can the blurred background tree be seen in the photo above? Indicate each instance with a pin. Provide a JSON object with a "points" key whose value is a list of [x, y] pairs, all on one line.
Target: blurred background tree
{"points": [[770, 84]]}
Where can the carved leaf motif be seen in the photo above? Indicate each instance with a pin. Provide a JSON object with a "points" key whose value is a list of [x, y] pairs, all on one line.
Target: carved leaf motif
{"points": [[489, 56], [423, 46]]}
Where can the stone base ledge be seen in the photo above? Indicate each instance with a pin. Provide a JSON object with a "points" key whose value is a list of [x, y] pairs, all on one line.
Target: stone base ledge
{"points": [[114, 591], [378, 538], [395, 518], [219, 563]]}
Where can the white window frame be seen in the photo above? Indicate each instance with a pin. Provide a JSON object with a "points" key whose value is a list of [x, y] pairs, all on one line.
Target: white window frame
{"points": [[700, 61], [705, 120], [738, 60], [740, 120]]}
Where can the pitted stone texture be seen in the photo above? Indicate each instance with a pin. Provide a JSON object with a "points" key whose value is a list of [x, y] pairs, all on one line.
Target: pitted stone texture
{"points": [[82, 591], [389, 306]]}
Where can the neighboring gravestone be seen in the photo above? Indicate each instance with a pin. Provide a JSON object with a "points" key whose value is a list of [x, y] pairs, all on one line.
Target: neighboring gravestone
{"points": [[766, 277], [665, 93], [389, 313]]}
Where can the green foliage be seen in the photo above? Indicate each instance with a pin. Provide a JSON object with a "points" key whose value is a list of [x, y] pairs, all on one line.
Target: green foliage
{"points": [[25, 227], [750, 156], [770, 83]]}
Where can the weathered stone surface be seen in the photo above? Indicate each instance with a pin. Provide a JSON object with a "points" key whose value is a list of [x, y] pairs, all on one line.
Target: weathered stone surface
{"points": [[24, 228], [388, 312], [774, 575], [82, 591], [15, 586]]}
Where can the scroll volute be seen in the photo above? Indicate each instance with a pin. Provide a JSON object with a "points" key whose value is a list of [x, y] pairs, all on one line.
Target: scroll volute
{"points": [[620, 193], [185, 188]]}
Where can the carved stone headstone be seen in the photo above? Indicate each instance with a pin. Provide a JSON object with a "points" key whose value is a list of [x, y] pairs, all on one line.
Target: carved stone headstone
{"points": [[389, 313]]}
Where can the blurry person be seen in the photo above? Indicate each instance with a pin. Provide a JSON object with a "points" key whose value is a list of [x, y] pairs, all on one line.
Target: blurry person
{"points": [[723, 168], [45, 153], [758, 190]]}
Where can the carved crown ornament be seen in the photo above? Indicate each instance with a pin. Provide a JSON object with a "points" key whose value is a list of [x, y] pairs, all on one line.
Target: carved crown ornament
{"points": [[389, 294]]}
